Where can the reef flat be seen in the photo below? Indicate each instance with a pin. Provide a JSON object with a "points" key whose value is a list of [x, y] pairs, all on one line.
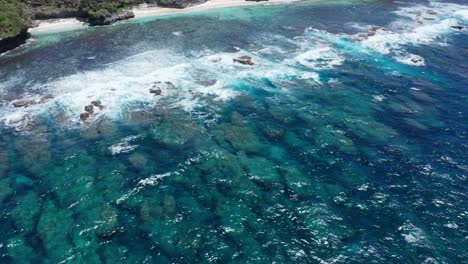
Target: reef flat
{"points": [[302, 133]]}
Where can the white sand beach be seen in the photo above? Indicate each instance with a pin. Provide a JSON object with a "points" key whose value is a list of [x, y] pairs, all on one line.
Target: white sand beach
{"points": [[143, 11], [52, 25]]}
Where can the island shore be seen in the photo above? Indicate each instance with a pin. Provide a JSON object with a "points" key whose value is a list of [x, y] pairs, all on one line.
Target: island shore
{"points": [[54, 25]]}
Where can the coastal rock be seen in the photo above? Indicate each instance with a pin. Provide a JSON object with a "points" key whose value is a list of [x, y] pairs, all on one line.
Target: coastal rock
{"points": [[106, 18], [457, 27], [179, 3], [89, 109], [23, 103], [158, 87], [246, 60], [84, 116], [98, 104], [10, 43], [27, 103], [155, 91], [417, 60], [170, 85]]}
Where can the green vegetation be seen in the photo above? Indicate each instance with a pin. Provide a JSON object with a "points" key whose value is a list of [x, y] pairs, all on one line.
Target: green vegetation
{"points": [[104, 6], [13, 18], [85, 8]]}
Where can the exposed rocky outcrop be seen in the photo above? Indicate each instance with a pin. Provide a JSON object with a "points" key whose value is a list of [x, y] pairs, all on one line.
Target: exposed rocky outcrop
{"points": [[84, 116], [13, 42], [179, 3], [98, 104], [458, 27], [155, 91], [27, 103], [16, 15], [99, 19], [89, 109], [246, 60]]}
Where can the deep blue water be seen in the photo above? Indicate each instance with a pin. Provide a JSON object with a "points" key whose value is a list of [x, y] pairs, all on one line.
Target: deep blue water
{"points": [[339, 145]]}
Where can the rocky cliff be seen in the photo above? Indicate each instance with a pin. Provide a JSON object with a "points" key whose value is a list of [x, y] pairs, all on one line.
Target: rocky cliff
{"points": [[14, 23], [16, 15]]}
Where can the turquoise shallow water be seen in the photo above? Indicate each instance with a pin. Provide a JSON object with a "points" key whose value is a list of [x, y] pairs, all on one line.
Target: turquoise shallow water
{"points": [[340, 144]]}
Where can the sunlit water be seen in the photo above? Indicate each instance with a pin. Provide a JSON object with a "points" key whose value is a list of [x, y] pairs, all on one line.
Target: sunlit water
{"points": [[341, 144]]}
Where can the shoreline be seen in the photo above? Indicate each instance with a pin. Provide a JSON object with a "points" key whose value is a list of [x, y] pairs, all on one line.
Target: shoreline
{"points": [[144, 11]]}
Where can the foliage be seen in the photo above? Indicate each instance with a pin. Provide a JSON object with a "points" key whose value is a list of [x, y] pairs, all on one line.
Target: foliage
{"points": [[13, 18]]}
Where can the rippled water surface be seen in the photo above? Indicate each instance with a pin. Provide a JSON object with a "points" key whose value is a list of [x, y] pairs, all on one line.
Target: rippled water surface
{"points": [[344, 142]]}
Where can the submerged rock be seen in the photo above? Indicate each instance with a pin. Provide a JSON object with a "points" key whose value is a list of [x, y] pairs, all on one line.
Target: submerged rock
{"points": [[26, 212], [4, 162], [242, 138], [22, 182], [260, 169], [33, 151], [5, 189], [298, 182], [20, 251], [138, 160], [54, 228], [246, 60], [175, 131]]}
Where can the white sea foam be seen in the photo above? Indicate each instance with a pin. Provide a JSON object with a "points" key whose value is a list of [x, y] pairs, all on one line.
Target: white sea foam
{"points": [[197, 79], [417, 25], [413, 234], [124, 146]]}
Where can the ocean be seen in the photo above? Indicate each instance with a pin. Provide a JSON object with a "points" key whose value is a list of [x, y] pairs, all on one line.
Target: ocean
{"points": [[344, 142]]}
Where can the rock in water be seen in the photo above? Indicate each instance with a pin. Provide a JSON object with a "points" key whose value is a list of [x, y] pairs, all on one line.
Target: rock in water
{"points": [[98, 104], [376, 28], [458, 27], [416, 60], [156, 91], [15, 41], [84, 116], [89, 109], [246, 60], [23, 103]]}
